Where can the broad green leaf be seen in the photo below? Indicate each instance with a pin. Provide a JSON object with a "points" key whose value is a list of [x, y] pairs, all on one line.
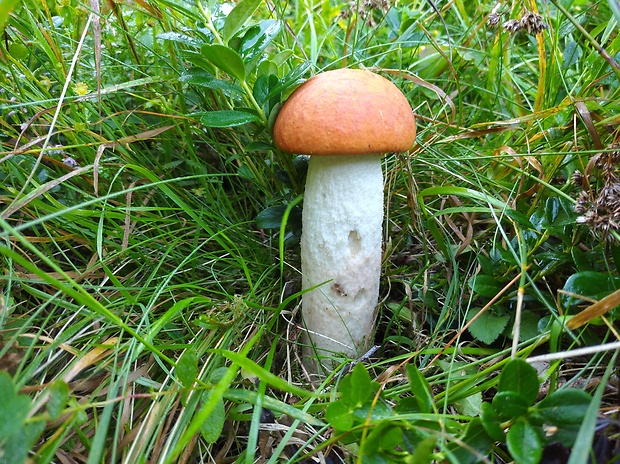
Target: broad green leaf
{"points": [[519, 376], [595, 285], [187, 368], [387, 435], [339, 415], [217, 374], [374, 411], [485, 285], [267, 67], [16, 436], [564, 407], [237, 17], [59, 396], [510, 405], [21, 442], [212, 427], [420, 388], [257, 38], [271, 218], [487, 326], [525, 443], [470, 405], [227, 118], [226, 59], [13, 408], [262, 87], [491, 422], [360, 389], [407, 405], [19, 51]]}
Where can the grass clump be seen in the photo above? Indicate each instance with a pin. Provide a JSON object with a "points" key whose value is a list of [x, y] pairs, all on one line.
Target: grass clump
{"points": [[149, 229]]}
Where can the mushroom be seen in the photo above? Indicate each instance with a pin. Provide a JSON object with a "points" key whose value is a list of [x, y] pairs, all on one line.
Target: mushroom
{"points": [[344, 119]]}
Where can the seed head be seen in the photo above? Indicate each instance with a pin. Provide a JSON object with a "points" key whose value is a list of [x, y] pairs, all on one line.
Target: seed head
{"points": [[533, 23]]}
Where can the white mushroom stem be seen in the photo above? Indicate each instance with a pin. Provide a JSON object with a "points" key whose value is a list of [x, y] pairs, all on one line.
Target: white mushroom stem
{"points": [[341, 249]]}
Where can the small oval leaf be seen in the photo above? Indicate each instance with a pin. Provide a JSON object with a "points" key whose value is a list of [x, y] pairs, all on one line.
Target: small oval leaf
{"points": [[510, 405], [187, 368], [237, 17], [519, 376], [524, 443], [226, 59]]}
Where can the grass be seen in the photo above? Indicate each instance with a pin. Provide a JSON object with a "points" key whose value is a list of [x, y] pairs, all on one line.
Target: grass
{"points": [[149, 307]]}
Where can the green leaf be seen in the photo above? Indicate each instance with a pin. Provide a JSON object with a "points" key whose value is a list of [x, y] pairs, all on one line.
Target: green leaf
{"points": [[595, 285], [375, 412], [187, 368], [481, 197], [615, 8], [339, 415], [386, 436], [519, 376], [257, 38], [360, 389], [470, 405], [59, 396], [180, 38], [5, 9], [262, 87], [21, 442], [564, 407], [476, 439], [267, 67], [271, 218], [16, 436], [491, 422], [262, 374], [572, 54], [420, 388], [212, 427], [525, 443], [488, 326], [13, 408], [291, 78], [485, 285], [424, 451], [510, 405], [226, 59], [197, 59], [204, 79], [227, 118], [237, 17]]}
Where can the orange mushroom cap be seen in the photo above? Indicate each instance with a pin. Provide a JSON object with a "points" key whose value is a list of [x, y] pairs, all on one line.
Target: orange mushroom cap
{"points": [[345, 112]]}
